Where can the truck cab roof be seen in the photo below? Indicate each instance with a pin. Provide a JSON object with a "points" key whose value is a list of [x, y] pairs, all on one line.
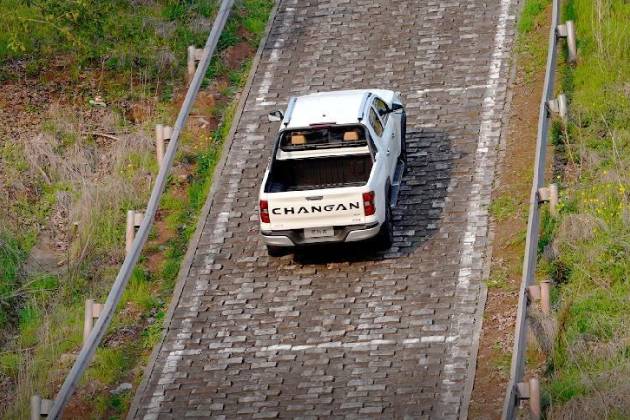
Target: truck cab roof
{"points": [[330, 108]]}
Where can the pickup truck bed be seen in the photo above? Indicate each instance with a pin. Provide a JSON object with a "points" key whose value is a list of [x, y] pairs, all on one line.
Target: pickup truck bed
{"points": [[319, 173]]}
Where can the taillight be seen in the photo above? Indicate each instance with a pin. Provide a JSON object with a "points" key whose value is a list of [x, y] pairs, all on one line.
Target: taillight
{"points": [[264, 211], [368, 203]]}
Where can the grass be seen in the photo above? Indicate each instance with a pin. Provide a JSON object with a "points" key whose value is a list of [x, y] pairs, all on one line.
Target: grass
{"points": [[530, 15], [43, 326], [531, 45], [10, 364], [498, 279], [503, 207], [12, 256], [502, 362], [588, 371], [115, 35]]}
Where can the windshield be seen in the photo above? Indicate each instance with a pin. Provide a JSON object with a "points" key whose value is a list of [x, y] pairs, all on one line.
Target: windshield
{"points": [[323, 137]]}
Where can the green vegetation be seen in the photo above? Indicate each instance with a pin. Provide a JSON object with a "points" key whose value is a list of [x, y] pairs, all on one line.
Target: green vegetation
{"points": [[133, 52], [502, 361], [116, 35], [588, 371], [503, 207], [12, 255], [499, 279], [531, 45], [530, 15]]}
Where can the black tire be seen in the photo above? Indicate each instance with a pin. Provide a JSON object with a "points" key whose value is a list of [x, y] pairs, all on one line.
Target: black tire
{"points": [[403, 139], [276, 251], [385, 237]]}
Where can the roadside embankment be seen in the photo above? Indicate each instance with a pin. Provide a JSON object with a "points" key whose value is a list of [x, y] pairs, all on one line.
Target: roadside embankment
{"points": [[586, 250], [82, 86]]}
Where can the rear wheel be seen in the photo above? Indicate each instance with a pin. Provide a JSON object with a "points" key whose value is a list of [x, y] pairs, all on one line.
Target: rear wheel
{"points": [[403, 139], [276, 251], [385, 237]]}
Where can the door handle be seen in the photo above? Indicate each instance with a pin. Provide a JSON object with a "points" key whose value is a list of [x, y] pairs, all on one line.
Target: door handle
{"points": [[388, 152]]}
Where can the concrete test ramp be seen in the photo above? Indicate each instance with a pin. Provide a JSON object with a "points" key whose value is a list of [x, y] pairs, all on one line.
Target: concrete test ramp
{"points": [[346, 332]]}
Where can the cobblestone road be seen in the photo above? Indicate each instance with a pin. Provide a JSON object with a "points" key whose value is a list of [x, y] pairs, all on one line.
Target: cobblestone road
{"points": [[346, 332]]}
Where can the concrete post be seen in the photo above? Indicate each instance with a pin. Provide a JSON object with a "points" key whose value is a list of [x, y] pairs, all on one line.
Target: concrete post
{"points": [[163, 135], [40, 407], [194, 56], [545, 297], [534, 399], [530, 392], [559, 106], [549, 195], [92, 312], [568, 31], [553, 199], [541, 292], [134, 219]]}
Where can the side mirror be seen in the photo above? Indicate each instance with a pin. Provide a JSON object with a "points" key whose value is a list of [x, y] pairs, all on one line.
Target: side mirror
{"points": [[396, 107], [275, 116]]}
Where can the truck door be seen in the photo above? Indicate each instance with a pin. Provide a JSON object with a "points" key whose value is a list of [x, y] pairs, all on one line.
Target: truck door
{"points": [[384, 133], [391, 126]]}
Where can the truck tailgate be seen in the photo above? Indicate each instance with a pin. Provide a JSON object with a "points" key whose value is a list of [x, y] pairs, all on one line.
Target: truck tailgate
{"points": [[316, 208]]}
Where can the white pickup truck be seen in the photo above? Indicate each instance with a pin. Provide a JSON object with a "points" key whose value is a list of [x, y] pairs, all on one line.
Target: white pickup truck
{"points": [[336, 169]]}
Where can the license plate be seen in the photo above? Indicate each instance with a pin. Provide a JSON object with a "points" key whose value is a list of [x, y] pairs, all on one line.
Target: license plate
{"points": [[319, 232]]}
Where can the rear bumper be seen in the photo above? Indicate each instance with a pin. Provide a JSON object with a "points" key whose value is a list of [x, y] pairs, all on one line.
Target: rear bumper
{"points": [[292, 238]]}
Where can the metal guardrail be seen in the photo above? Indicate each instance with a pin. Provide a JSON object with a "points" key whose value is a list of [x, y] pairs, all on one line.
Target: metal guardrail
{"points": [[105, 317], [518, 390]]}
